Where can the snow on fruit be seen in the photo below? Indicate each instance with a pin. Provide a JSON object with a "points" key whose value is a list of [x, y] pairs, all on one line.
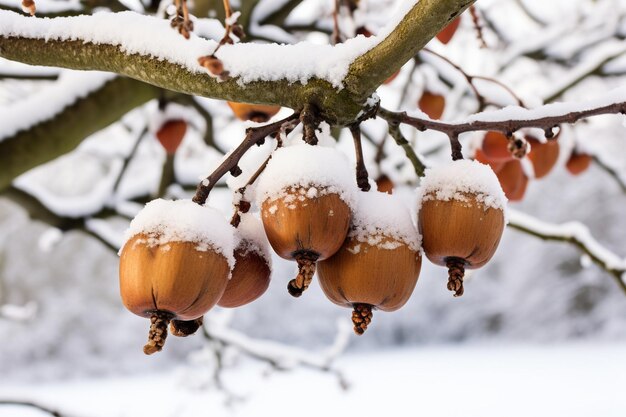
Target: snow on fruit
{"points": [[175, 264], [379, 263], [461, 218]]}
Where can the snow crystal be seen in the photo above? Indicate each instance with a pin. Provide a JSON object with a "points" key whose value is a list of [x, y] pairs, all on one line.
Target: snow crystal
{"points": [[382, 220], [251, 234], [455, 180], [317, 169], [184, 221]]}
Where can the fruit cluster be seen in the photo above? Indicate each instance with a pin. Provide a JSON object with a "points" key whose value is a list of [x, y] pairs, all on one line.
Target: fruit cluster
{"points": [[181, 258], [505, 156]]}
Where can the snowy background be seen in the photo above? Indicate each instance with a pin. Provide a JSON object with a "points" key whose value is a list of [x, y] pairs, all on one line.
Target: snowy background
{"points": [[539, 331]]}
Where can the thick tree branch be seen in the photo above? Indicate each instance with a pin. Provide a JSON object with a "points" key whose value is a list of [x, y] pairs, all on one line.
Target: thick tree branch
{"points": [[61, 134], [423, 21], [339, 106], [576, 234]]}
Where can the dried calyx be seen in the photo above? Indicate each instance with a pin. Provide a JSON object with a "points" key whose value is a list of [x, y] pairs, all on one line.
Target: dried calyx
{"points": [[174, 266], [461, 217]]}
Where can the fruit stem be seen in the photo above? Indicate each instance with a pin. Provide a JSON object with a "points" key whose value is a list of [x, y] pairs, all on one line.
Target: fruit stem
{"points": [[182, 328], [456, 272], [306, 270], [158, 332], [361, 317]]}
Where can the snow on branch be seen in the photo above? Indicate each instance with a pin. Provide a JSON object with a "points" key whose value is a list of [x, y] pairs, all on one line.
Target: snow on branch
{"points": [[149, 36], [146, 48], [513, 118], [22, 313], [37, 130], [279, 356], [71, 86], [577, 234]]}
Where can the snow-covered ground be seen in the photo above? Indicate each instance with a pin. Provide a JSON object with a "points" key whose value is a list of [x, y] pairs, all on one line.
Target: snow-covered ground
{"points": [[512, 380]]}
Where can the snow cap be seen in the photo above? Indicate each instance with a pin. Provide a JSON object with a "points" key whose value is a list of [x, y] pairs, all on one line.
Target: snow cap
{"points": [[165, 221], [380, 217], [320, 170], [455, 180], [251, 237]]}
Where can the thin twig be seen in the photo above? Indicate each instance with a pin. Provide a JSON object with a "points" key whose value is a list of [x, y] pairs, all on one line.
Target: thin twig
{"points": [[396, 134], [32, 404], [254, 136], [477, 26], [533, 16], [128, 158], [362, 177], [482, 101], [611, 171], [278, 356], [336, 37]]}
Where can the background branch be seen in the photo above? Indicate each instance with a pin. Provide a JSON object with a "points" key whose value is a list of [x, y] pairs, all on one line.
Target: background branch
{"points": [[52, 138], [577, 234]]}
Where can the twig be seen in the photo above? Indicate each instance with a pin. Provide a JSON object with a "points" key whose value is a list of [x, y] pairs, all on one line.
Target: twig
{"points": [[477, 26], [577, 234], [507, 125], [611, 171], [530, 13], [336, 37], [208, 119], [254, 136], [31, 404], [128, 158], [396, 134], [168, 176], [278, 356], [242, 205], [362, 177], [482, 102]]}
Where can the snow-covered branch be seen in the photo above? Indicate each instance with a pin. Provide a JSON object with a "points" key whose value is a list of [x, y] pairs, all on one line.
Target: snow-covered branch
{"points": [[18, 313], [577, 234], [511, 119], [336, 78], [56, 120], [31, 404], [279, 356]]}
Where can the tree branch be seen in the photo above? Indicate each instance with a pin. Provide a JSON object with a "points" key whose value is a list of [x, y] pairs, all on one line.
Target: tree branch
{"points": [[279, 356], [503, 121], [31, 404], [253, 137], [422, 22], [176, 71], [576, 234], [66, 130]]}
